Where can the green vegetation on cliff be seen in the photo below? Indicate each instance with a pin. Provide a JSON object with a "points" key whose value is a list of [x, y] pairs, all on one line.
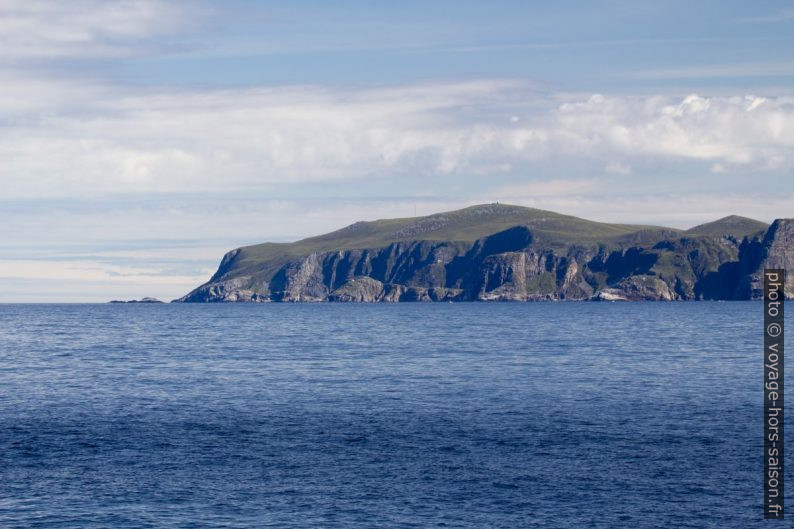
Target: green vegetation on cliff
{"points": [[502, 252], [461, 226]]}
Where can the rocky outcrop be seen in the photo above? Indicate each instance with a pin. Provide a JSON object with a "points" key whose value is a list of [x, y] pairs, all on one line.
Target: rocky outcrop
{"points": [[637, 288], [517, 264], [239, 289], [142, 300], [368, 290], [361, 289]]}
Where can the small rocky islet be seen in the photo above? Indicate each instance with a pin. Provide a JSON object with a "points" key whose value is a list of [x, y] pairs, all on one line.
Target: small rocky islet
{"points": [[142, 300]]}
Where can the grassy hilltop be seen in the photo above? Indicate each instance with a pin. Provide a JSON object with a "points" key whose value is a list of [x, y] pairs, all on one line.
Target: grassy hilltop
{"points": [[463, 226], [495, 251]]}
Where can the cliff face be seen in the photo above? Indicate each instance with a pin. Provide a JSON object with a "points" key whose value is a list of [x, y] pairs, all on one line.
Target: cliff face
{"points": [[776, 250], [516, 264]]}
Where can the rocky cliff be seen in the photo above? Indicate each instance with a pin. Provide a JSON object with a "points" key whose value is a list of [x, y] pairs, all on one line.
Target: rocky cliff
{"points": [[506, 253]]}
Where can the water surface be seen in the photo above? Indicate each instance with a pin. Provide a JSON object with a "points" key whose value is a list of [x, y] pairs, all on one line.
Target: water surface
{"points": [[473, 415]]}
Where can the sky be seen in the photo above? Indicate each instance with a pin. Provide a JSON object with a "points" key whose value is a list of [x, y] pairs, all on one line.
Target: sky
{"points": [[142, 139]]}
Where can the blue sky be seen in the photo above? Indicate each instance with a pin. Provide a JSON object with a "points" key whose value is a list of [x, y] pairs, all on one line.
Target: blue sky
{"points": [[142, 139]]}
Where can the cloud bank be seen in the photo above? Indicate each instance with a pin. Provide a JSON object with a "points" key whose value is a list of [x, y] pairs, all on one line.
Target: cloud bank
{"points": [[65, 141], [46, 30]]}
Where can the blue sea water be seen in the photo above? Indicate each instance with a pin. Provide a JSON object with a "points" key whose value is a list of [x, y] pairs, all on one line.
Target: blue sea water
{"points": [[471, 415]]}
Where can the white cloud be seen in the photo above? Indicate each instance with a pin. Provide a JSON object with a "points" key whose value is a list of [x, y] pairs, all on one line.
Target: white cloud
{"points": [[545, 188], [92, 281], [618, 168], [783, 15], [87, 271], [105, 139], [52, 29], [707, 71], [677, 210]]}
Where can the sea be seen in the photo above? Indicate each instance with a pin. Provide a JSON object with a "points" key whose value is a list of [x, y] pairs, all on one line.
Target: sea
{"points": [[446, 415]]}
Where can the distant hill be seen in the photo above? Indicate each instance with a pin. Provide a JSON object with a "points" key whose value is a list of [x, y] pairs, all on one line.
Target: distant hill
{"points": [[733, 225], [461, 226], [495, 252]]}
